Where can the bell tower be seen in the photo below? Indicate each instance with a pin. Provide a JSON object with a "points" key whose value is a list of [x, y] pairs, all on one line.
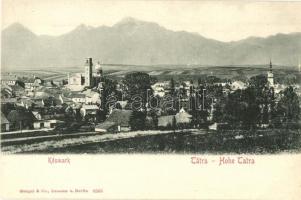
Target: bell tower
{"points": [[271, 75], [88, 72]]}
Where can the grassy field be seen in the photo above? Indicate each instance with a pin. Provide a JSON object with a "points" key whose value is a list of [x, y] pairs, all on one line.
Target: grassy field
{"points": [[179, 142], [166, 72], [187, 142]]}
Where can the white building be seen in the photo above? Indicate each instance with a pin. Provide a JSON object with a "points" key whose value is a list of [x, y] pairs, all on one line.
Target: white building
{"points": [[89, 109], [270, 76], [238, 85], [159, 88]]}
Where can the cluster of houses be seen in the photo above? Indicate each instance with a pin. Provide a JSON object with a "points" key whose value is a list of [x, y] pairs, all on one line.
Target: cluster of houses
{"points": [[33, 103]]}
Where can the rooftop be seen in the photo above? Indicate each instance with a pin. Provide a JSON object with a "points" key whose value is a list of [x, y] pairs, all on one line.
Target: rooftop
{"points": [[90, 107], [3, 119]]}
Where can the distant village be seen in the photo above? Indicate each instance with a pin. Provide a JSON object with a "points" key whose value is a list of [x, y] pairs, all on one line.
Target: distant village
{"points": [[92, 102]]}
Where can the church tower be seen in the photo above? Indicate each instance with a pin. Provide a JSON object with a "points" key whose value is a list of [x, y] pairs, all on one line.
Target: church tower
{"points": [[88, 72], [271, 76], [98, 69]]}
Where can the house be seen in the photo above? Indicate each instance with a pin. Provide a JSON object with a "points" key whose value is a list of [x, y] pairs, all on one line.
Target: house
{"points": [[49, 84], [4, 123], [238, 85], [38, 124], [166, 121], [78, 97], [86, 97], [158, 91], [52, 123], [106, 126], [213, 126], [18, 90], [182, 117], [121, 87], [89, 109], [37, 82], [37, 115], [41, 94], [160, 88], [279, 87], [121, 104], [92, 97], [10, 80], [121, 118], [38, 121], [47, 121], [29, 85], [39, 103]]}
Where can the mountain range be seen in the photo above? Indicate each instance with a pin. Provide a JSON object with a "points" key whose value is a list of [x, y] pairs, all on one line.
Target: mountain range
{"points": [[136, 42]]}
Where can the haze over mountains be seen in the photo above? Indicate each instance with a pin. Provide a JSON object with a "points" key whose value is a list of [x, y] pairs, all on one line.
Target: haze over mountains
{"points": [[135, 42]]}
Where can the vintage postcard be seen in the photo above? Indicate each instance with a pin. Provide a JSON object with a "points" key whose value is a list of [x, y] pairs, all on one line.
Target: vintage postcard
{"points": [[150, 99]]}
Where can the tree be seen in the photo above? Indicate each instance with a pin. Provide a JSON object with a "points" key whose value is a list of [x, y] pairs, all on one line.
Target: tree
{"points": [[218, 115], [137, 120], [7, 107], [213, 79], [172, 87], [137, 85], [290, 79], [259, 82], [152, 119], [20, 118], [109, 89], [199, 118], [174, 123], [264, 98], [250, 110], [288, 106], [69, 114]]}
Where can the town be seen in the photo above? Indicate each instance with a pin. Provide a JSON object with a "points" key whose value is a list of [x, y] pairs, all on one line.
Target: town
{"points": [[91, 102]]}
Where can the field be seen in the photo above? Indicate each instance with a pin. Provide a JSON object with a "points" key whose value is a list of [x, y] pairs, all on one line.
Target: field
{"points": [[180, 141], [166, 72]]}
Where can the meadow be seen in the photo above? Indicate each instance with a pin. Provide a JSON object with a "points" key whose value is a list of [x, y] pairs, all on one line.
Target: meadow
{"points": [[166, 72]]}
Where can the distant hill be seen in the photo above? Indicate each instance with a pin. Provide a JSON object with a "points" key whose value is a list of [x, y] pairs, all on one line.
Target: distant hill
{"points": [[135, 42]]}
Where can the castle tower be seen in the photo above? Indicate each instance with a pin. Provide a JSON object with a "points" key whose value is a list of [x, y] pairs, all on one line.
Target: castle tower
{"points": [[88, 72], [271, 76]]}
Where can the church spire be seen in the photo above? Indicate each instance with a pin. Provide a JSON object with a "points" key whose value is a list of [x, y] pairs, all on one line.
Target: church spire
{"points": [[270, 75]]}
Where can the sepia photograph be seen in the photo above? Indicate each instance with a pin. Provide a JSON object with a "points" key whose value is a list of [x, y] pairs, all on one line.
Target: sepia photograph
{"points": [[129, 99], [92, 77]]}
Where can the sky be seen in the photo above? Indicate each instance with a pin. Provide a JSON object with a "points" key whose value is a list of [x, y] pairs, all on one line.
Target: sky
{"points": [[220, 20]]}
